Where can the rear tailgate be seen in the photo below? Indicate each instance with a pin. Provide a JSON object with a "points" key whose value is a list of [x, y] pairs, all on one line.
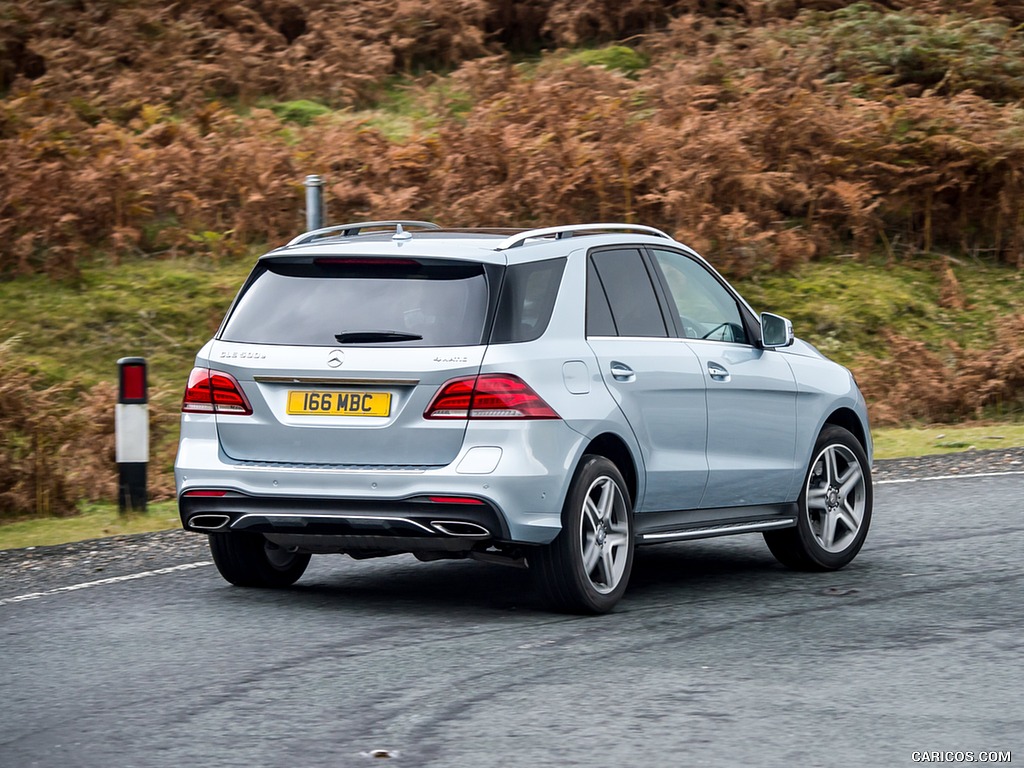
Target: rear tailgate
{"points": [[340, 355], [341, 405]]}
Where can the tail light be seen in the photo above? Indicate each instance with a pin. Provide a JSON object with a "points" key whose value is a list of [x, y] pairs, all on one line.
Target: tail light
{"points": [[489, 396], [214, 392]]}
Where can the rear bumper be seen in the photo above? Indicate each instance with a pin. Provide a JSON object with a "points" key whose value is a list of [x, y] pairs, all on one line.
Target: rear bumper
{"points": [[520, 492]]}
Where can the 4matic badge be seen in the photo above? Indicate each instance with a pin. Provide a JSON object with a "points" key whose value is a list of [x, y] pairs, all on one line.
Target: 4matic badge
{"points": [[229, 354]]}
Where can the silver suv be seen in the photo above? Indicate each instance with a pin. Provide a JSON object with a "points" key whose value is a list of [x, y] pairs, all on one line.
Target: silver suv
{"points": [[552, 397]]}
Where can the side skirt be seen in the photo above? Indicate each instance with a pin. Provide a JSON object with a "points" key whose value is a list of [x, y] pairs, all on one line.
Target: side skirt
{"points": [[686, 524]]}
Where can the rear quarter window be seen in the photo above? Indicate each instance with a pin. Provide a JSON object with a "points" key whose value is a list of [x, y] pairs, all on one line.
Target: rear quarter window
{"points": [[528, 295]]}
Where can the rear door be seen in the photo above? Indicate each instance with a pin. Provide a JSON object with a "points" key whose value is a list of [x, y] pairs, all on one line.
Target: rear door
{"points": [[655, 379], [339, 357]]}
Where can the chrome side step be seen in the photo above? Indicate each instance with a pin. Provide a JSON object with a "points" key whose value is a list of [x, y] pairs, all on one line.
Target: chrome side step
{"points": [[720, 530]]}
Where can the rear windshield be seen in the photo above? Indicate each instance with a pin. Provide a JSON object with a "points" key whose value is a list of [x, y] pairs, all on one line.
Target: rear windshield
{"points": [[445, 304]]}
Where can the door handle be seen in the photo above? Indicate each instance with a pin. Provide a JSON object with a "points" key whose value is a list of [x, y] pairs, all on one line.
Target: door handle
{"points": [[718, 373], [622, 372]]}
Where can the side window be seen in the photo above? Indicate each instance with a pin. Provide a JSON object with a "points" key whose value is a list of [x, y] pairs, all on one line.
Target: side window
{"points": [[599, 314], [527, 297], [706, 309], [628, 294]]}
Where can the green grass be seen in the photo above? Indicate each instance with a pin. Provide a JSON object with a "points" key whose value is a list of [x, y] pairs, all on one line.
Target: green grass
{"points": [[843, 306], [302, 111], [403, 108], [94, 521], [617, 57], [895, 443], [161, 310]]}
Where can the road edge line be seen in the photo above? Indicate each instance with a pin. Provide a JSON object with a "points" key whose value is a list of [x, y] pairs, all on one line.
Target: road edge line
{"points": [[103, 582]]}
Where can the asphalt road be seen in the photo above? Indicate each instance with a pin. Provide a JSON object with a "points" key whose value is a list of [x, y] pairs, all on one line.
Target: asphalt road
{"points": [[716, 657]]}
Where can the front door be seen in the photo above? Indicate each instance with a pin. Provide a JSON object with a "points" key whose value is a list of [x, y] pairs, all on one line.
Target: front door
{"points": [[751, 392]]}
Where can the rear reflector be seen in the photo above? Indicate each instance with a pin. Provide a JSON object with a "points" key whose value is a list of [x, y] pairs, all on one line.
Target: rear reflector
{"points": [[453, 500], [214, 392], [206, 493], [489, 396], [133, 383]]}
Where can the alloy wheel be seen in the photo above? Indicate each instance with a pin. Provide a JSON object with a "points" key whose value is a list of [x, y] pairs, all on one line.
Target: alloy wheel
{"points": [[604, 534], [836, 497]]}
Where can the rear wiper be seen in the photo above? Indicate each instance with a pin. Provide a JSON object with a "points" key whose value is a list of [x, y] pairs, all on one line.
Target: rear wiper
{"points": [[369, 337]]}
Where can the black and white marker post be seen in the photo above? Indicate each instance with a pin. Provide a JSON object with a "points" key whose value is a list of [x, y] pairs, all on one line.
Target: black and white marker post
{"points": [[131, 430]]}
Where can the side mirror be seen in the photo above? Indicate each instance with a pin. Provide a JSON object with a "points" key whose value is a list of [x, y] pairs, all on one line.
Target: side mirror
{"points": [[776, 331]]}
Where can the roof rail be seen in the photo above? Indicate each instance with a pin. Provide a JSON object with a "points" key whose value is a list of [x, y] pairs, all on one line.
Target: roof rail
{"points": [[351, 230], [569, 230]]}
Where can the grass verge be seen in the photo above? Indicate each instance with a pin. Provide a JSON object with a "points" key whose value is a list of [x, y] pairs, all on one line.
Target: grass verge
{"points": [[93, 522], [901, 442]]}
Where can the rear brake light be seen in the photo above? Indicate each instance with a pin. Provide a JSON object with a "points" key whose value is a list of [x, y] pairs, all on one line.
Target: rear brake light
{"points": [[348, 260], [214, 392], [489, 396]]}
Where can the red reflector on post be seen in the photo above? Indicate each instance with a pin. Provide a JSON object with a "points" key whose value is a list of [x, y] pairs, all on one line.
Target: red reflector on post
{"points": [[131, 384], [134, 382]]}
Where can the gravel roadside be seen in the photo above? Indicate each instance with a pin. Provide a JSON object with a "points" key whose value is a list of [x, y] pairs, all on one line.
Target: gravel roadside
{"points": [[37, 569]]}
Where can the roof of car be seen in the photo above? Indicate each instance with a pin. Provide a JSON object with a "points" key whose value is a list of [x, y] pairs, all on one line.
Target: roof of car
{"points": [[493, 245]]}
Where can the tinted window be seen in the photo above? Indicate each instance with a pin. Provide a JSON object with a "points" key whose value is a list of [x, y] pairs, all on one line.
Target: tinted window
{"points": [[627, 285], [599, 314], [307, 304], [527, 297], [706, 308]]}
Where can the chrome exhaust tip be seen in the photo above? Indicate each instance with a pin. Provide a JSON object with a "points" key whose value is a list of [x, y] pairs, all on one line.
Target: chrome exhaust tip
{"points": [[461, 529], [208, 522]]}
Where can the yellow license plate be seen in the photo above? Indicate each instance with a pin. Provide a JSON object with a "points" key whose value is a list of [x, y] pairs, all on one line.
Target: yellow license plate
{"points": [[319, 403]]}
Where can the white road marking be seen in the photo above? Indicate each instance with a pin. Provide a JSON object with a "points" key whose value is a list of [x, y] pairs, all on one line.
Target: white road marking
{"points": [[103, 582], [948, 477]]}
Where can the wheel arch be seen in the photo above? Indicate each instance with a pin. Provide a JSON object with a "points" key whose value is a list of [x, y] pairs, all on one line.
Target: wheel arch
{"points": [[848, 420], [613, 448]]}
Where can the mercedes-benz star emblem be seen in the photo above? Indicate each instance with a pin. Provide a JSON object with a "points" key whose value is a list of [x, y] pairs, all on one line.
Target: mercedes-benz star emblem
{"points": [[336, 358]]}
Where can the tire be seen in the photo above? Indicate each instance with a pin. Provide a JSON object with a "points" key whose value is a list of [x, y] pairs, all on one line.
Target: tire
{"points": [[587, 567], [249, 560], [834, 508]]}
